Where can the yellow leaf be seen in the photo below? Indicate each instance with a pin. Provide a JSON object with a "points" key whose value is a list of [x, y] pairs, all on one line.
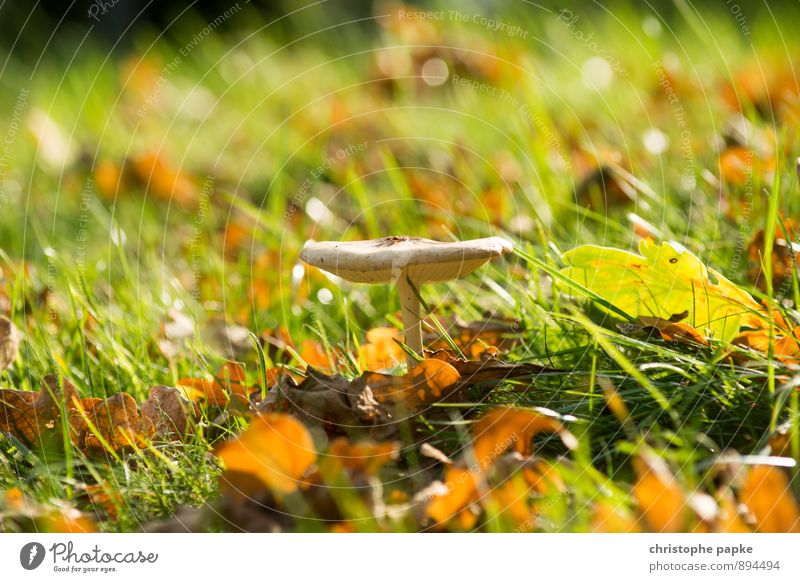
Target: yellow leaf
{"points": [[664, 280]]}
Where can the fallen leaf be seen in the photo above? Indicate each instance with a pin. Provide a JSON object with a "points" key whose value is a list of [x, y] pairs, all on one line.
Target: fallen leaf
{"points": [[490, 369], [170, 413], [610, 518], [114, 423], [675, 331], [493, 435], [767, 494], [228, 385], [665, 279], [108, 179], [428, 381], [34, 417], [505, 427], [661, 499], [373, 399], [274, 452], [382, 349], [66, 519]]}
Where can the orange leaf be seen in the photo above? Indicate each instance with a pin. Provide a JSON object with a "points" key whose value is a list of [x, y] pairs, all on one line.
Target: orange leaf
{"points": [[766, 492], [381, 350], [503, 427], [608, 518], [276, 450], [493, 435], [675, 331], [661, 500], [228, 385], [67, 520], [428, 381], [164, 181], [111, 423]]}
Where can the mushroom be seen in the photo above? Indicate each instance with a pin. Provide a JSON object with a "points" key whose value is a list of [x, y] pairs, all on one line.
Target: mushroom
{"points": [[406, 261]]}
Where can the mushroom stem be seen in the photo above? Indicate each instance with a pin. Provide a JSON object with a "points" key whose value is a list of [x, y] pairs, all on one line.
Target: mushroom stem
{"points": [[409, 305]]}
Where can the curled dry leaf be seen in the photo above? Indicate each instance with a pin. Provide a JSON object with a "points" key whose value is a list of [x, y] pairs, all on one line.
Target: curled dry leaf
{"points": [[675, 330], [371, 399], [114, 423], [274, 452], [170, 413], [9, 342], [767, 494], [34, 417]]}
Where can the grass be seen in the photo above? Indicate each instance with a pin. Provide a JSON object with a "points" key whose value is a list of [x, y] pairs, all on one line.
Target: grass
{"points": [[287, 137]]}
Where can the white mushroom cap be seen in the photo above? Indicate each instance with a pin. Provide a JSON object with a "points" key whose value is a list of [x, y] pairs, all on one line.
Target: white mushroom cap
{"points": [[422, 260]]}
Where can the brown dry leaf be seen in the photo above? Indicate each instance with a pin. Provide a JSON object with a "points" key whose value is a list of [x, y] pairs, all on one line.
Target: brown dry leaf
{"points": [[478, 339], [34, 417], [170, 413], [9, 342], [111, 423], [736, 165], [661, 499], [371, 399], [768, 495], [105, 497], [274, 452]]}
